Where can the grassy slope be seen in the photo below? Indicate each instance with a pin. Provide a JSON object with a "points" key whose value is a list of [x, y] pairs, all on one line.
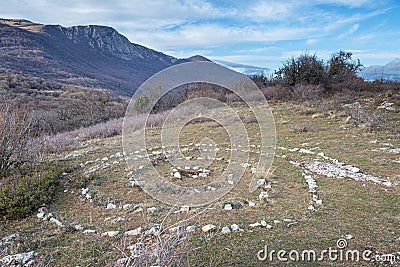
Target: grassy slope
{"points": [[367, 211]]}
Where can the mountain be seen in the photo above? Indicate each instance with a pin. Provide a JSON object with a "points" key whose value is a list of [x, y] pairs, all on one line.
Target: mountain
{"points": [[245, 69], [390, 71], [91, 56]]}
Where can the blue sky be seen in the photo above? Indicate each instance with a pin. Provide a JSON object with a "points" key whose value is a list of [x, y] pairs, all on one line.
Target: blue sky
{"points": [[260, 33]]}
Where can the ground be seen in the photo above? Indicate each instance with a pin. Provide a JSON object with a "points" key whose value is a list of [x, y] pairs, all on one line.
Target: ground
{"points": [[364, 213]]}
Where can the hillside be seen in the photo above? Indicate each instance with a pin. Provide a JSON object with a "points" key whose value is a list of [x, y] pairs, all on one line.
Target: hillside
{"points": [[92, 56]]}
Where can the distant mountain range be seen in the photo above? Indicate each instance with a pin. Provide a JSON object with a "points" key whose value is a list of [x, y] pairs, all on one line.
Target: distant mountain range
{"points": [[390, 71], [245, 69], [92, 56]]}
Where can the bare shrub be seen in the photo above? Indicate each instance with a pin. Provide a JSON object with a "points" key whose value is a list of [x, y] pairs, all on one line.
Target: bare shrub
{"points": [[164, 244], [362, 118], [18, 142]]}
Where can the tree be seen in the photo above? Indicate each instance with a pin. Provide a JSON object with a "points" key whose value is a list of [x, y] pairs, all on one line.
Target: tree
{"points": [[342, 67], [303, 70]]}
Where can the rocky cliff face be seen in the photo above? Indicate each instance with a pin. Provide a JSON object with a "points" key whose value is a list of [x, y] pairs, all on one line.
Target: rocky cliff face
{"points": [[96, 56]]}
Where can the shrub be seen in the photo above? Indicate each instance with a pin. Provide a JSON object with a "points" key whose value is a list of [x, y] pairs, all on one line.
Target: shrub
{"points": [[22, 194], [141, 103], [18, 142]]}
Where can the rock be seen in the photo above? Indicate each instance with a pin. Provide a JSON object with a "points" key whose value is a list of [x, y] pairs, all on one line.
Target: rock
{"points": [[252, 204], [134, 232], [88, 196], [226, 230], [276, 221], [311, 207], [152, 210], [318, 201], [185, 209], [110, 206], [263, 223], [119, 219], [235, 227], [78, 227], [177, 175], [110, 233], [263, 196], [89, 232], [268, 226], [190, 229], [208, 228], [40, 215], [228, 207], [119, 155], [104, 159], [22, 259], [127, 206], [252, 225], [54, 220], [85, 191], [261, 182]]}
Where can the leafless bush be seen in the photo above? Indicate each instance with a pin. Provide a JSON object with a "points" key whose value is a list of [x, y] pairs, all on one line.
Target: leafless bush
{"points": [[18, 138], [160, 245]]}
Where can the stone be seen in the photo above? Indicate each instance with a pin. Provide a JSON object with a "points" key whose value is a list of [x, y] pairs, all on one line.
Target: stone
{"points": [[152, 210], [85, 191], [110, 233], [134, 232], [268, 226], [110, 206], [226, 230], [185, 209], [263, 223], [228, 207], [261, 182], [54, 220], [127, 207], [252, 204], [311, 208], [177, 175], [22, 259], [190, 229], [89, 232], [235, 227], [208, 228], [318, 201], [78, 227], [348, 236], [40, 215], [252, 225]]}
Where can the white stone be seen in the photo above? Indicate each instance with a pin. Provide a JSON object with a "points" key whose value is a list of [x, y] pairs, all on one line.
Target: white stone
{"points": [[40, 215], [348, 236], [311, 207], [22, 259], [85, 191], [208, 228], [318, 201], [89, 232], [268, 226], [177, 175], [185, 209], [261, 182], [152, 210], [110, 233], [127, 206], [252, 225], [110, 206], [78, 227], [235, 227], [134, 232], [54, 220], [228, 207], [190, 228], [252, 204], [226, 230]]}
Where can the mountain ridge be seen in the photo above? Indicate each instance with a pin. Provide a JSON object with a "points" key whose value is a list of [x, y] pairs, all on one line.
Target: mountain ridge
{"points": [[92, 55]]}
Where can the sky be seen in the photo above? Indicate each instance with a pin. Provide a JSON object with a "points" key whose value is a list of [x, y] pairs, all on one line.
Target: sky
{"points": [[260, 33]]}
